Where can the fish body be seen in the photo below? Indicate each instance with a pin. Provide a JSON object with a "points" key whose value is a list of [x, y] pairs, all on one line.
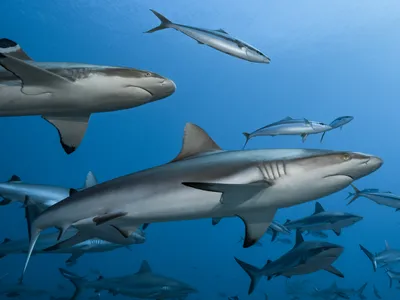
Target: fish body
{"points": [[217, 39], [289, 126], [204, 181], [66, 94], [143, 285], [304, 258], [380, 197], [324, 220]]}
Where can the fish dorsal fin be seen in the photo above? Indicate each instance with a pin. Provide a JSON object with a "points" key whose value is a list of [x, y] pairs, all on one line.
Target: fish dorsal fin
{"points": [[90, 180], [299, 238], [287, 119], [145, 267], [13, 49], [195, 141], [318, 208], [222, 31], [14, 178], [387, 245]]}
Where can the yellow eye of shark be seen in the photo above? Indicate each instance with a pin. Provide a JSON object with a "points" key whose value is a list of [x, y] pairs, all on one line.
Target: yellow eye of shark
{"points": [[346, 156]]}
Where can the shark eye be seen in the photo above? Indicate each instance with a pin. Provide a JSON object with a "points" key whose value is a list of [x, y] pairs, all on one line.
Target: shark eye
{"points": [[346, 157], [148, 74]]}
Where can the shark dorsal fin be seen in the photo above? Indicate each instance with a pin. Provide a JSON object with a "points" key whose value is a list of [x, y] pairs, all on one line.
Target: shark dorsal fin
{"points": [[195, 141], [299, 238], [318, 208], [90, 180], [387, 245], [145, 267], [14, 178], [222, 31]]}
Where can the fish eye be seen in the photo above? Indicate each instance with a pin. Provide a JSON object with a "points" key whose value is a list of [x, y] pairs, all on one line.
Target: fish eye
{"points": [[346, 156]]}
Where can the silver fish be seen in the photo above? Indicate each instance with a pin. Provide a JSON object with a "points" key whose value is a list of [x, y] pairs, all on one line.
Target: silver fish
{"points": [[66, 94], [289, 126], [382, 198], [218, 39]]}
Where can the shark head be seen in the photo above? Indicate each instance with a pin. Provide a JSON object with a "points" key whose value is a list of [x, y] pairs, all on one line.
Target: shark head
{"points": [[319, 173], [128, 87], [326, 250]]}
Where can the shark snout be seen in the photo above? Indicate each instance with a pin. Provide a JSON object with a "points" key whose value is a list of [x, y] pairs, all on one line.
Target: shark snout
{"points": [[164, 89]]}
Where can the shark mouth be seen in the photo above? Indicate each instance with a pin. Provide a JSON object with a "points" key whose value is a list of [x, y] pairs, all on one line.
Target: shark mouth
{"points": [[139, 87], [334, 175]]}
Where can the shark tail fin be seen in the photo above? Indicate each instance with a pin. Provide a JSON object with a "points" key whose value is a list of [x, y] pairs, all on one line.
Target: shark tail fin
{"points": [[12, 49], [247, 136], [355, 195], [360, 291], [253, 272], [164, 22], [76, 280], [370, 256]]}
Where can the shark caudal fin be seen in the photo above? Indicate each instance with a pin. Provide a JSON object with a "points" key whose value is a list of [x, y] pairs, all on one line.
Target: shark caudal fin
{"points": [[355, 195], [253, 272], [360, 291], [11, 48], [248, 137], [164, 22], [76, 280], [370, 256], [31, 213]]}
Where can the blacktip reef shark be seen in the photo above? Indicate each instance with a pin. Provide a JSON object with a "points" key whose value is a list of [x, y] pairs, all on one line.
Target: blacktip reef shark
{"points": [[145, 284], [46, 245], [338, 122], [204, 181], [384, 258], [304, 258], [289, 126], [324, 220], [15, 190], [66, 94], [380, 197], [218, 39]]}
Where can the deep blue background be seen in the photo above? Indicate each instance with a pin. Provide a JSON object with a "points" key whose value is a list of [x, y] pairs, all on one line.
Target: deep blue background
{"points": [[328, 58]]}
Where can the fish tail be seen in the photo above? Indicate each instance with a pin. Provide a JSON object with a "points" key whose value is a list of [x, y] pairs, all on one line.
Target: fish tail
{"points": [[355, 195], [247, 136], [164, 22], [360, 291], [76, 280], [253, 272], [322, 137], [370, 256]]}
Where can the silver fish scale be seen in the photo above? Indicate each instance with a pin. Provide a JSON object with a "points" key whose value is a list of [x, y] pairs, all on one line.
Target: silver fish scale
{"points": [[272, 170]]}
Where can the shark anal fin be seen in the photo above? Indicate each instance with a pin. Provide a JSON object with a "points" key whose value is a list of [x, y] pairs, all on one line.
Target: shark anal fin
{"points": [[71, 130], [35, 81], [333, 270], [11, 48], [337, 231], [108, 217], [256, 224], [231, 192], [215, 221]]}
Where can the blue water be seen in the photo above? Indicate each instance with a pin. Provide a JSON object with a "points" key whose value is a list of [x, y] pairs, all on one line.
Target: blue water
{"points": [[328, 59]]}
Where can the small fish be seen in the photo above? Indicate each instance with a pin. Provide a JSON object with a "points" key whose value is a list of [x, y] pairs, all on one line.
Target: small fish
{"points": [[382, 198], [289, 126], [218, 39], [338, 122]]}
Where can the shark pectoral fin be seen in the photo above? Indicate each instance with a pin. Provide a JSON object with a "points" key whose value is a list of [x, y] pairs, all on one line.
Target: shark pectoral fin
{"points": [[215, 221], [303, 137], [337, 231], [256, 224], [108, 217], [195, 142], [333, 270], [274, 235], [73, 258], [231, 193], [35, 81], [71, 130], [11, 48]]}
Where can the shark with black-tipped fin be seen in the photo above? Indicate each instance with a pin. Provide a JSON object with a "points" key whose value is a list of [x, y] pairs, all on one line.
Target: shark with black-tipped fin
{"points": [[67, 94], [204, 181]]}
